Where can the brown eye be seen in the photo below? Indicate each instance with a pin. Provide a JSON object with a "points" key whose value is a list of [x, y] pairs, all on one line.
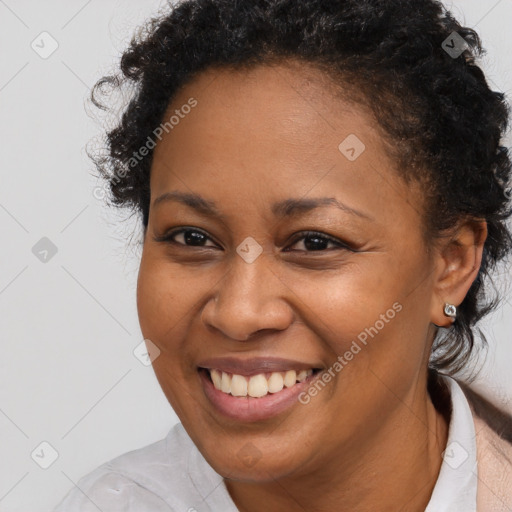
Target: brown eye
{"points": [[190, 237], [315, 242]]}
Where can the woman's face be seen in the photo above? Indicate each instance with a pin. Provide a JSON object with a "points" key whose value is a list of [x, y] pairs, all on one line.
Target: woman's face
{"points": [[252, 162]]}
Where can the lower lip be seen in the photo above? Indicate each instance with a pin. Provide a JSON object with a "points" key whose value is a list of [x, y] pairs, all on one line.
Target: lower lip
{"points": [[249, 409]]}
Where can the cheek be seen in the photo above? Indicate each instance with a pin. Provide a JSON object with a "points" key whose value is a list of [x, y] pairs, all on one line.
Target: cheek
{"points": [[165, 303], [366, 314], [340, 304], [164, 298]]}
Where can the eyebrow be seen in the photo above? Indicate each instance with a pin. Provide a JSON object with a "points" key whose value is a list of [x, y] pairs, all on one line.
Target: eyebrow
{"points": [[284, 209]]}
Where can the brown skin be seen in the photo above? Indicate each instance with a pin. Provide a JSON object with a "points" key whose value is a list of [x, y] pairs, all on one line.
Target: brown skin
{"points": [[372, 439]]}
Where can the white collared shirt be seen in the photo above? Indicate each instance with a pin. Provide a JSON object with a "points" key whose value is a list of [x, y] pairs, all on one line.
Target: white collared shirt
{"points": [[456, 485], [171, 475]]}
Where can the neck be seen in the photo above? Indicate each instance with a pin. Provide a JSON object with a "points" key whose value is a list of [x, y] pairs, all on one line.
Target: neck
{"points": [[396, 470]]}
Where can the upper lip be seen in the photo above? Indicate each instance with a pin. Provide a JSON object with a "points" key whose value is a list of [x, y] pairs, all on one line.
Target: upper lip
{"points": [[254, 365]]}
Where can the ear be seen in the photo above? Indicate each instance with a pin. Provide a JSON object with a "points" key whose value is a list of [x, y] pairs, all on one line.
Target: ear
{"points": [[457, 262]]}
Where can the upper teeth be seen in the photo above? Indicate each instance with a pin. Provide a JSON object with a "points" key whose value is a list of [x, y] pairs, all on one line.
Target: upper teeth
{"points": [[257, 385]]}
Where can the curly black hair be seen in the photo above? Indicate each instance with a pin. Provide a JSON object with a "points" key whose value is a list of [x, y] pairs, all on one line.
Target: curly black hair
{"points": [[409, 61]]}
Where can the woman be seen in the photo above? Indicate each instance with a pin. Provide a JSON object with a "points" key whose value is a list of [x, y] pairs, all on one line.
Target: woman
{"points": [[323, 194]]}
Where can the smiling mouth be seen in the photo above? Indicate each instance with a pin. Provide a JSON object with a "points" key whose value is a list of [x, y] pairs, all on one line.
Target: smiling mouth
{"points": [[256, 386]]}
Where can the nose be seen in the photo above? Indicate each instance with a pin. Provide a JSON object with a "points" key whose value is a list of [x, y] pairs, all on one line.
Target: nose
{"points": [[248, 299]]}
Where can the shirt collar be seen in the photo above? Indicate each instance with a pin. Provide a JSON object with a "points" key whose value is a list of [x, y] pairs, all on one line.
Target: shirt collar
{"points": [[456, 485]]}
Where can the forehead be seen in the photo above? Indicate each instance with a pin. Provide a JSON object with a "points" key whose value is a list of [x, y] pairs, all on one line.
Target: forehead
{"points": [[279, 130]]}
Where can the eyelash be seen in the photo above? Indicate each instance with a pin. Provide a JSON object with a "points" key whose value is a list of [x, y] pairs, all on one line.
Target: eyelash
{"points": [[168, 238]]}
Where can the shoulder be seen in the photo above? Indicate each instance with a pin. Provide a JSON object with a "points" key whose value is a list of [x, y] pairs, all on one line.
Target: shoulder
{"points": [[499, 421], [493, 429], [154, 478]]}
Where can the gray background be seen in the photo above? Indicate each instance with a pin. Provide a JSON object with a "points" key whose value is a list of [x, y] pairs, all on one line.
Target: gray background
{"points": [[68, 375]]}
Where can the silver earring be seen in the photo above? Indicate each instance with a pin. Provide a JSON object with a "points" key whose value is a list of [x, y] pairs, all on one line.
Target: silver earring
{"points": [[450, 310]]}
